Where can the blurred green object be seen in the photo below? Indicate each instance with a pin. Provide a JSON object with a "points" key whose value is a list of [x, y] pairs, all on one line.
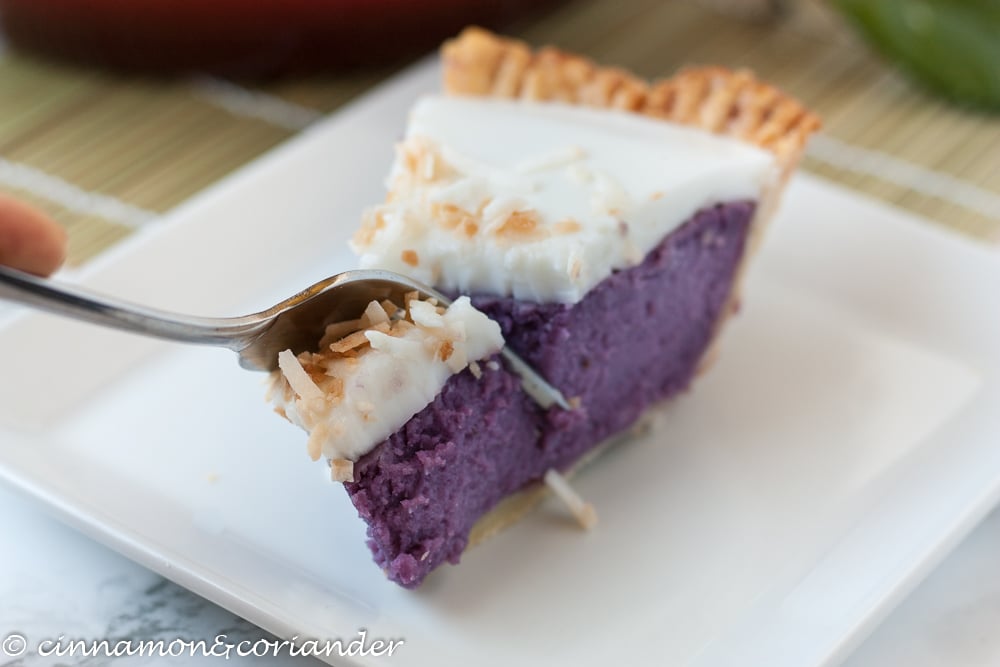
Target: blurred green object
{"points": [[952, 46]]}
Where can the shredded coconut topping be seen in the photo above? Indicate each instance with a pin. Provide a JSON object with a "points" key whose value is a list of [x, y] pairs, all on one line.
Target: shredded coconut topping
{"points": [[525, 198], [371, 375], [298, 379], [342, 470], [582, 510]]}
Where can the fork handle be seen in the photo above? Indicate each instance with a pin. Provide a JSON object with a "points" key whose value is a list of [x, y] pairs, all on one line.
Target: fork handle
{"points": [[80, 304]]}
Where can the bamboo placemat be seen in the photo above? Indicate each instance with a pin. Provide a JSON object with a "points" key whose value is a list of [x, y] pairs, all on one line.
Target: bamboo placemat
{"points": [[107, 154]]}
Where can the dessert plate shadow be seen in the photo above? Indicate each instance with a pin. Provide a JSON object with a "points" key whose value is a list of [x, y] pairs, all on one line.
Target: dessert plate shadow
{"points": [[843, 443]]}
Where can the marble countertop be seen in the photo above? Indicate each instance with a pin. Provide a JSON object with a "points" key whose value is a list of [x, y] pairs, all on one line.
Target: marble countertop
{"points": [[55, 581]]}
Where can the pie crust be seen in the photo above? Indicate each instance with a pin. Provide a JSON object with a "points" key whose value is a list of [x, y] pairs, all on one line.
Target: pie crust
{"points": [[729, 102]]}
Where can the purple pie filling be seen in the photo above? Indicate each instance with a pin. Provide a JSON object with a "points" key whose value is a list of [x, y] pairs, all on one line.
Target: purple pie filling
{"points": [[634, 339]]}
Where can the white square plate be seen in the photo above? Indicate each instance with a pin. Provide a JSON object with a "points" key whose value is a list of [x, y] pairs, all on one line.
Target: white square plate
{"points": [[847, 438]]}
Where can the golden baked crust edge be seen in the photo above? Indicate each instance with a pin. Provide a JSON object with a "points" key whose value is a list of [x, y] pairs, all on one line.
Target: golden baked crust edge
{"points": [[728, 102]]}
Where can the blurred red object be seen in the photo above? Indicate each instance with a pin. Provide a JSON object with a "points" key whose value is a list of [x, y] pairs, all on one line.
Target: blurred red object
{"points": [[244, 37]]}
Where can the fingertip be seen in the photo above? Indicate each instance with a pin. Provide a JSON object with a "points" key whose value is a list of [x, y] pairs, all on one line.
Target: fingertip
{"points": [[30, 240]]}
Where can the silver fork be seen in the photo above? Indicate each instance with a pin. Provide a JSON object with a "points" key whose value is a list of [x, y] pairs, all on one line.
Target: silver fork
{"points": [[297, 323]]}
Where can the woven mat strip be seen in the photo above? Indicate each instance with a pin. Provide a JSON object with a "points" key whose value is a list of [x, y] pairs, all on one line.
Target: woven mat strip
{"points": [[129, 149]]}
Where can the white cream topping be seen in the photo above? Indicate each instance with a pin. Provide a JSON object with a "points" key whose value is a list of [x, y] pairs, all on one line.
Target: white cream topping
{"points": [[542, 201], [359, 389]]}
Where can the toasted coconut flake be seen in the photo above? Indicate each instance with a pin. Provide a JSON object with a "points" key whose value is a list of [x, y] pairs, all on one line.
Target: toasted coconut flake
{"points": [[371, 223], [334, 387], [518, 223], [378, 339], [376, 314], [312, 408], [317, 437], [407, 298], [338, 330], [400, 327], [429, 166], [457, 360], [584, 512], [410, 257], [389, 307], [450, 216], [499, 210], [423, 314], [568, 226], [347, 343], [342, 470], [317, 371], [306, 418], [409, 156], [297, 377], [445, 350], [422, 163]]}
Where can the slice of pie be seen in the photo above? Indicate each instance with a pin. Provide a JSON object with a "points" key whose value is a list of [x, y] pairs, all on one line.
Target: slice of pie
{"points": [[602, 222]]}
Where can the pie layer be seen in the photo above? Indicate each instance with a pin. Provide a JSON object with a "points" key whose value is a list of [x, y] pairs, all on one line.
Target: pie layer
{"points": [[569, 195], [635, 339], [604, 223]]}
